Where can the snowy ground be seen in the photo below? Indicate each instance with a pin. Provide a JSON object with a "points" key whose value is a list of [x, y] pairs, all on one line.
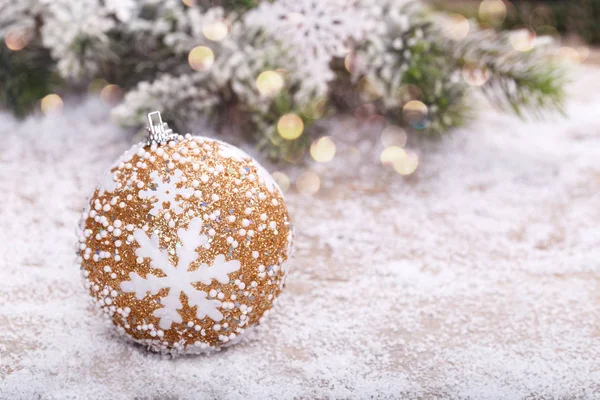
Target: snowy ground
{"points": [[476, 278]]}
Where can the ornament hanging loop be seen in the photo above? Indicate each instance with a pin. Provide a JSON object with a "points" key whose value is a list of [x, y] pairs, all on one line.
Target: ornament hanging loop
{"points": [[158, 131]]}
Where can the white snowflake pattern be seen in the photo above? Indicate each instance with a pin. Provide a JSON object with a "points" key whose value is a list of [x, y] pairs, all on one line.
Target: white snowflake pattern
{"points": [[166, 191], [179, 278], [108, 183]]}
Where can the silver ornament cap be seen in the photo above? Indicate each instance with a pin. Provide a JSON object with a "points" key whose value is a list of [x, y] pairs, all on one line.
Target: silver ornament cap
{"points": [[158, 131]]}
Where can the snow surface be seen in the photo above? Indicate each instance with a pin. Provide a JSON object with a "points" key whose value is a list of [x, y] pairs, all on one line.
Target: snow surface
{"points": [[476, 278]]}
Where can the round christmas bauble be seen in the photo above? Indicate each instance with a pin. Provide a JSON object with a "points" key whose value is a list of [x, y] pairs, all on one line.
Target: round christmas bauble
{"points": [[185, 242]]}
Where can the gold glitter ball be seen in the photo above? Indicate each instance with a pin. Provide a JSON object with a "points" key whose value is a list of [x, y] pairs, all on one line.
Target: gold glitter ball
{"points": [[185, 245]]}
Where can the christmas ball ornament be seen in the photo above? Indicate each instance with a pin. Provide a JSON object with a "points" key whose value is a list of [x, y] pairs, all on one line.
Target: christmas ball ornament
{"points": [[185, 242]]}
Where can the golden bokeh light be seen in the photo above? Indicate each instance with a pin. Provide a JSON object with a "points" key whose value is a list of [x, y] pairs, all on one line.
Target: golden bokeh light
{"points": [[368, 91], [215, 30], [111, 94], [364, 111], [283, 181], [97, 85], [392, 155], [540, 16], [584, 53], [569, 54], [269, 83], [492, 11], [475, 76], [456, 27], [316, 109], [350, 62], [393, 135], [296, 157], [323, 149], [404, 162], [408, 92], [549, 30], [415, 113], [408, 164], [290, 126], [16, 39], [201, 58], [308, 183], [522, 40], [189, 3], [51, 104]]}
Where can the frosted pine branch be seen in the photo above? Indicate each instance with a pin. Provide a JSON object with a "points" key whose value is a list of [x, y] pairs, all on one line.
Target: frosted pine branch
{"points": [[396, 52]]}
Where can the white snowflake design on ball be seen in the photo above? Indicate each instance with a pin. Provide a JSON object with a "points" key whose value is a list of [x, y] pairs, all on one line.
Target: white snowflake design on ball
{"points": [[108, 183], [178, 278], [166, 190]]}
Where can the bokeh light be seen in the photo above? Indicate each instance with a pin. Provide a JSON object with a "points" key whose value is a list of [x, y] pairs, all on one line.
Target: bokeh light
{"points": [[584, 53], [392, 155], [282, 180], [296, 157], [569, 54], [404, 162], [541, 15], [549, 32], [415, 113], [408, 164], [308, 183], [456, 27], [51, 104], [269, 83], [189, 3], [323, 149], [316, 109], [368, 91], [111, 94], [492, 11], [16, 39], [409, 92], [97, 85], [393, 135], [201, 58], [350, 62], [364, 111], [547, 37], [523, 39], [215, 30], [475, 76], [290, 126]]}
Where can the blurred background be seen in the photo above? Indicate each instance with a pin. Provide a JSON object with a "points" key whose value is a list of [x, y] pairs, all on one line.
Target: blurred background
{"points": [[271, 73], [575, 20]]}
